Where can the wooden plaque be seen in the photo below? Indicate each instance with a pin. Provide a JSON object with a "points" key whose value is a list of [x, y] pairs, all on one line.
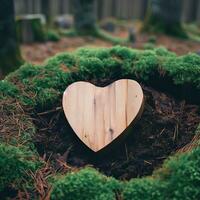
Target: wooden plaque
{"points": [[98, 115]]}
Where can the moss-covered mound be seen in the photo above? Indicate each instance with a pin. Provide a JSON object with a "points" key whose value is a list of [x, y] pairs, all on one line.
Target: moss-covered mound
{"points": [[33, 91]]}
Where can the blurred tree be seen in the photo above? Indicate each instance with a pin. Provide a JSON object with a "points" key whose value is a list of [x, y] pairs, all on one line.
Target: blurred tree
{"points": [[50, 10], [10, 57], [164, 17], [84, 16], [85, 22]]}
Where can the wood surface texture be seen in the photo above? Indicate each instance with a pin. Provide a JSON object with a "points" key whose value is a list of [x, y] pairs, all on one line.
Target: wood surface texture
{"points": [[98, 115]]}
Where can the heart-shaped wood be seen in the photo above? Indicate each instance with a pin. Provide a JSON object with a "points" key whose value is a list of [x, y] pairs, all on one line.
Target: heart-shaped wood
{"points": [[98, 115]]}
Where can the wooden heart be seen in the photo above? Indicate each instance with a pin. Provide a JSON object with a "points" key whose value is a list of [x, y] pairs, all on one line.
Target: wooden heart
{"points": [[98, 115]]}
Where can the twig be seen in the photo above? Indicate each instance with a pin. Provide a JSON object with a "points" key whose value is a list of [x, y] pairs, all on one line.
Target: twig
{"points": [[49, 111]]}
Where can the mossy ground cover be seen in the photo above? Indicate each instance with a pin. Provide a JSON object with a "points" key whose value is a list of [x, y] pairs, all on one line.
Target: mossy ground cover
{"points": [[30, 101]]}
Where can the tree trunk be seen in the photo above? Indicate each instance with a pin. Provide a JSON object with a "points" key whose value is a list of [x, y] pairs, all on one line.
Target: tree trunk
{"points": [[165, 17], [10, 58], [84, 16]]}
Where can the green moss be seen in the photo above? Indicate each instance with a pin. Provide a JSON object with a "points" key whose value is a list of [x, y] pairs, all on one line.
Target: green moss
{"points": [[47, 98], [123, 52], [41, 87], [37, 82], [53, 36], [145, 188], [106, 36], [188, 65], [67, 60], [193, 31], [15, 164], [68, 33], [183, 176], [149, 45], [101, 53], [162, 51], [179, 178], [99, 64], [39, 30], [27, 71], [98, 33], [146, 65], [85, 184], [91, 67], [8, 89]]}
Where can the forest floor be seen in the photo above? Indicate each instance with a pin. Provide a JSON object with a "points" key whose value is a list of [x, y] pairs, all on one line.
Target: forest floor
{"points": [[163, 116], [161, 131], [37, 52]]}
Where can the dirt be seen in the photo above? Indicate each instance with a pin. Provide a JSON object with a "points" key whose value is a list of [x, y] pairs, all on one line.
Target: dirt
{"points": [[166, 126], [37, 52]]}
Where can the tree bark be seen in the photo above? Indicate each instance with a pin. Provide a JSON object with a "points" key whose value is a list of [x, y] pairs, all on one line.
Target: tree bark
{"points": [[10, 58], [84, 16], [164, 16]]}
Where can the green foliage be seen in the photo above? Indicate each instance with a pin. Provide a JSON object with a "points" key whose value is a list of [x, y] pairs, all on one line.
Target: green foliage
{"points": [[91, 67], [98, 64], [179, 178], [27, 71], [162, 51], [8, 89], [46, 98], [146, 65], [193, 31], [123, 52], [37, 82], [188, 65], [68, 33], [145, 188], [108, 37], [53, 36], [96, 32], [182, 176], [15, 163], [67, 60], [149, 45], [85, 184]]}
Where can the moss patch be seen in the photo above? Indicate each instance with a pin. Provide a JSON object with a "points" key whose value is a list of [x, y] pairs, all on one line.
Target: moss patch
{"points": [[98, 33], [75, 186], [177, 179], [37, 90], [15, 165]]}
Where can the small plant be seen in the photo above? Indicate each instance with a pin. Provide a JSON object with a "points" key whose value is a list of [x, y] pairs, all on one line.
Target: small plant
{"points": [[53, 36]]}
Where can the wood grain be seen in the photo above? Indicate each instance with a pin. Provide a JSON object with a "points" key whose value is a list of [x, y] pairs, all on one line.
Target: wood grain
{"points": [[98, 115]]}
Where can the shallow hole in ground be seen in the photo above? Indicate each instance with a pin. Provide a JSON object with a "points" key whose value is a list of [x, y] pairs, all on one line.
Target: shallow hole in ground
{"points": [[166, 126]]}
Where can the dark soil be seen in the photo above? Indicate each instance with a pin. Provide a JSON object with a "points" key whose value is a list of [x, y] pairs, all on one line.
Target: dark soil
{"points": [[166, 126]]}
